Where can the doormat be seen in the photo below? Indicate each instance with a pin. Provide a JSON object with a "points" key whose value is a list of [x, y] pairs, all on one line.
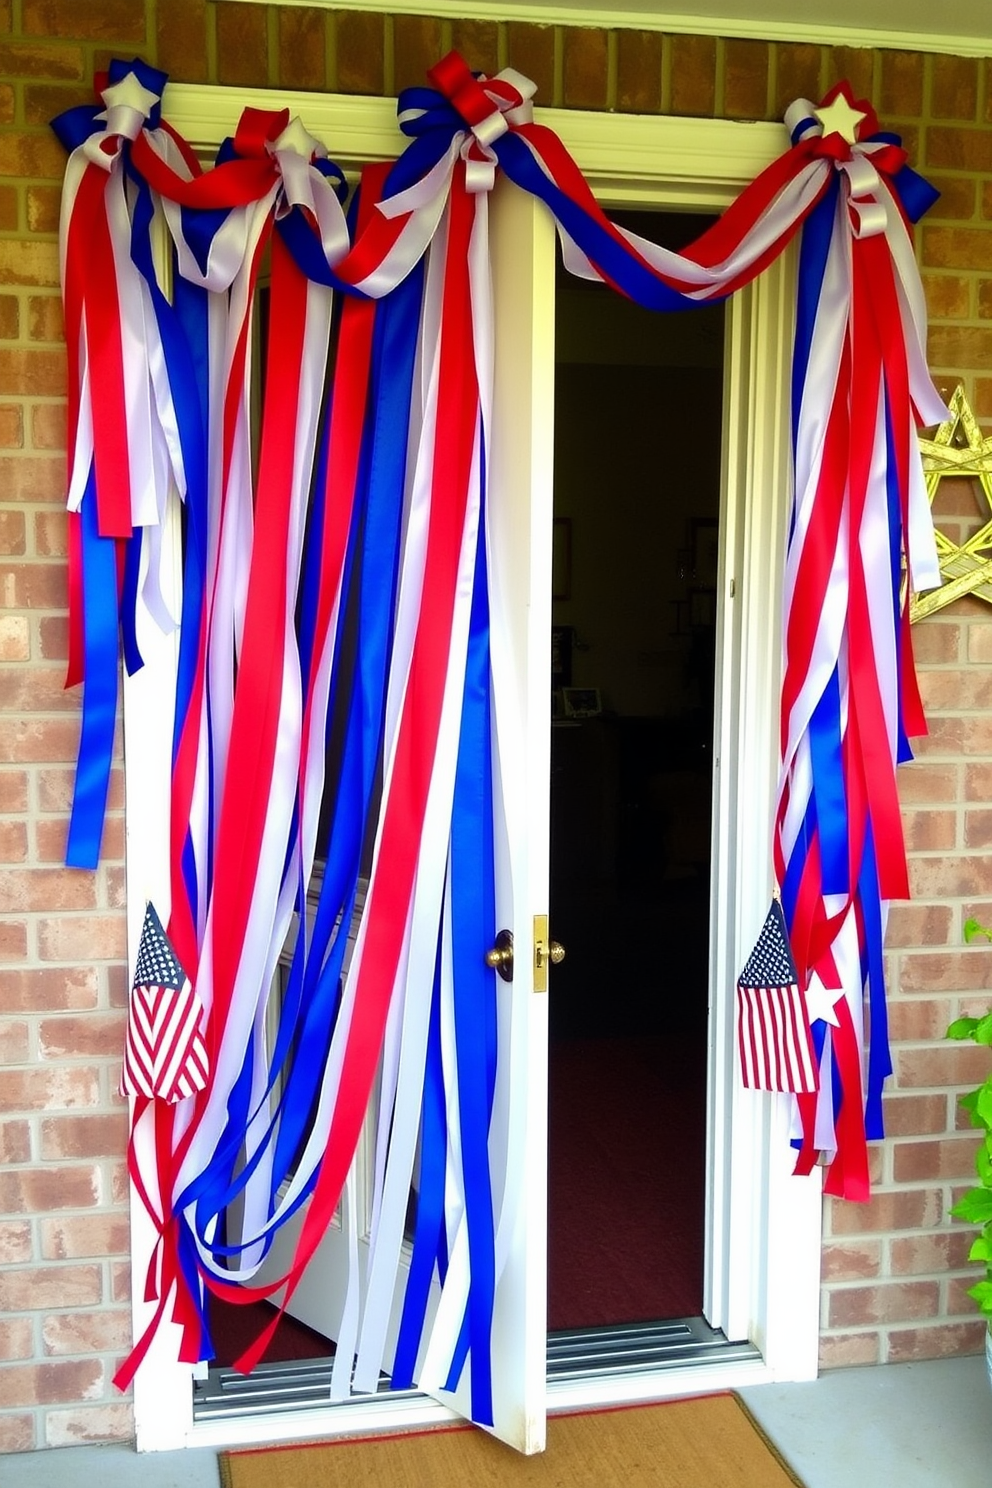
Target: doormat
{"points": [[681, 1444]]}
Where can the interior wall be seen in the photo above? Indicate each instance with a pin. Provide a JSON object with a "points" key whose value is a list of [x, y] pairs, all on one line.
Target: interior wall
{"points": [[895, 1271]]}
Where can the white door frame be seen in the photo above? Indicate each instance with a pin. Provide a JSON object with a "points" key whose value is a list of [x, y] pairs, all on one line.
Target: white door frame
{"points": [[763, 1227]]}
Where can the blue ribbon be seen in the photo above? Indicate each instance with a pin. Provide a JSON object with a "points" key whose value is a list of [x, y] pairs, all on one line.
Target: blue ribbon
{"points": [[96, 742]]}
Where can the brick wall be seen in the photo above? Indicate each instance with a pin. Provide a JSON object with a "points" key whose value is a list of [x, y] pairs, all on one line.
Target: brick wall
{"points": [[894, 1270]]}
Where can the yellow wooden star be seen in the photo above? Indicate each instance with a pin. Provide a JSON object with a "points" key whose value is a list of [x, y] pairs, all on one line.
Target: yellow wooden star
{"points": [[838, 117], [958, 448]]}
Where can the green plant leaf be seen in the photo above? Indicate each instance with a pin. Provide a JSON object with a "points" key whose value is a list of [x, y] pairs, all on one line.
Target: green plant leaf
{"points": [[975, 1206], [962, 1028], [981, 1250], [983, 1165], [971, 928], [982, 1293], [983, 1103], [983, 1033]]}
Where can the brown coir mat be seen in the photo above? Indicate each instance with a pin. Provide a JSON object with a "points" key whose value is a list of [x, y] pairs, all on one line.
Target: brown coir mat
{"points": [[702, 1443]]}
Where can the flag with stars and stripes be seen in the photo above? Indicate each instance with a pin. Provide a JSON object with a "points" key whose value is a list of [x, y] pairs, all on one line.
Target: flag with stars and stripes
{"points": [[165, 1057], [774, 1042]]}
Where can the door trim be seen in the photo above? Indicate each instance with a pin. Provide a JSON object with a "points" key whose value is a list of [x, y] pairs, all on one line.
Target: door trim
{"points": [[763, 1226]]}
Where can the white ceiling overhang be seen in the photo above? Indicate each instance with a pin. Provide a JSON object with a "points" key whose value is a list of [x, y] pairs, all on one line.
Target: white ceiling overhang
{"points": [[960, 27]]}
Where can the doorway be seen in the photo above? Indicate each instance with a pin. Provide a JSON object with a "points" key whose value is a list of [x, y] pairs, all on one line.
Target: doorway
{"points": [[638, 415], [761, 1273]]}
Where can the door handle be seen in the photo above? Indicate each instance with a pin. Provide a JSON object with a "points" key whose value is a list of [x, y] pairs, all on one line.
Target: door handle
{"points": [[500, 958]]}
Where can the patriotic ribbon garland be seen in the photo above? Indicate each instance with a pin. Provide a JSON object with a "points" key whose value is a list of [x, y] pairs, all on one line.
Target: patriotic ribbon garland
{"points": [[344, 598]]}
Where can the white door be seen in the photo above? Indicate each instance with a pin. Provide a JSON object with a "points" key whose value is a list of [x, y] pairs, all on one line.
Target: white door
{"points": [[519, 530], [763, 1231]]}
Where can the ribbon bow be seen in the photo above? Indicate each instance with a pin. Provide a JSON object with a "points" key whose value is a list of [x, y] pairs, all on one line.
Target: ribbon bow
{"points": [[845, 130], [476, 108]]}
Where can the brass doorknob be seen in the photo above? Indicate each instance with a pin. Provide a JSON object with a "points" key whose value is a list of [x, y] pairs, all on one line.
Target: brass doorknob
{"points": [[500, 958], [555, 953]]}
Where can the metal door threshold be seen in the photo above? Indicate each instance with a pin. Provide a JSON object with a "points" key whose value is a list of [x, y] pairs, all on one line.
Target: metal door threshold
{"points": [[573, 1356]]}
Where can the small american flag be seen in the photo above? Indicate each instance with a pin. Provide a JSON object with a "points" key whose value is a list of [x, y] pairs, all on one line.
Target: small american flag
{"points": [[164, 1053], [773, 1034]]}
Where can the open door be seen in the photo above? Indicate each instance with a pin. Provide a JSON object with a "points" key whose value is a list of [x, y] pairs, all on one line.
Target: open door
{"points": [[518, 526]]}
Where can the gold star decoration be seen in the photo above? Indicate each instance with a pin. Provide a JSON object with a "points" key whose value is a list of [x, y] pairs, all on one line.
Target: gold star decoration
{"points": [[958, 449], [839, 117]]}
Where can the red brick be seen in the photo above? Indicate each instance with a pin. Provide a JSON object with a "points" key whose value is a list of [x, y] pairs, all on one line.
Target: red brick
{"points": [[34, 478], [846, 1350], [51, 533], [585, 67], [959, 149], [94, 1423], [42, 59], [531, 50], [950, 878], [978, 829], [15, 638], [951, 971], [953, 1157], [8, 101], [51, 1384], [16, 1432], [10, 317], [302, 47], [978, 781], [73, 938], [12, 533], [38, 690], [55, 790], [900, 1209], [929, 831], [13, 790], [120, 1281], [854, 63], [938, 641], [953, 1064], [45, 315], [13, 940], [242, 45], [478, 43], [16, 1338], [15, 1042], [86, 1036], [745, 79], [49, 889], [954, 87], [44, 100], [64, 1088], [915, 1115], [30, 154], [693, 67], [33, 586], [29, 263], [888, 1302], [181, 34], [15, 1141], [940, 1252], [86, 1333], [901, 90], [36, 990], [639, 60], [10, 210], [30, 371], [111, 20], [11, 426], [948, 296], [850, 1260], [16, 1244], [53, 637], [13, 844], [417, 45], [48, 426], [46, 1191], [79, 1236], [946, 1340], [361, 50], [958, 198]]}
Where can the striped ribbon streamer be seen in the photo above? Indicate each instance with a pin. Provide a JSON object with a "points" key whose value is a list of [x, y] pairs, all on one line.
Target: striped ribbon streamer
{"points": [[346, 599]]}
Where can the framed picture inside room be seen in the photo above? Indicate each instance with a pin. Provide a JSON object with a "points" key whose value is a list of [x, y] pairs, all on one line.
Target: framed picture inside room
{"points": [[581, 702]]}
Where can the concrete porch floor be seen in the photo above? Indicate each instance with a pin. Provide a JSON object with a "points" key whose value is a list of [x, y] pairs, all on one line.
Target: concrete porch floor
{"points": [[925, 1425]]}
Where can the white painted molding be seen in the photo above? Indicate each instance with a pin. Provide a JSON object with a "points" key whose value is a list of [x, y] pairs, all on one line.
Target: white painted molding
{"points": [[957, 29], [625, 156]]}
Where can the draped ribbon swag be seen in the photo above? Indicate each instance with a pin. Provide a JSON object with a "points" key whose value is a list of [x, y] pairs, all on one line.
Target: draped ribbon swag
{"points": [[341, 595]]}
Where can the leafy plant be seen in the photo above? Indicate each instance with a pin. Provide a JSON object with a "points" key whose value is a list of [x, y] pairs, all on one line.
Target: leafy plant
{"points": [[975, 1207]]}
